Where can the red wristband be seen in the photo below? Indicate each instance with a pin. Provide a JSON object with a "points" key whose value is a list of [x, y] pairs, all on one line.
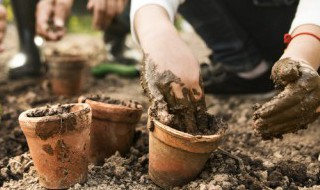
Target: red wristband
{"points": [[287, 37]]}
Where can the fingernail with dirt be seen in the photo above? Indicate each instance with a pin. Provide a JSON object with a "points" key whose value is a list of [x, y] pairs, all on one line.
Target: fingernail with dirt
{"points": [[58, 138], [113, 126], [179, 147]]}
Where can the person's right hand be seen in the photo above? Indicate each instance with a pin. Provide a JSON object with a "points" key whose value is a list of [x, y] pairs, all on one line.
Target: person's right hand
{"points": [[3, 25], [51, 16], [171, 79], [104, 11]]}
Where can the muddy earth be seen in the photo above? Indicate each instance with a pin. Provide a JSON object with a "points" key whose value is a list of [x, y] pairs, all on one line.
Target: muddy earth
{"points": [[244, 161]]}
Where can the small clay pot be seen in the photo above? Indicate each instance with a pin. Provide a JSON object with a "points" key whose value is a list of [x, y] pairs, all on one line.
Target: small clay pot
{"points": [[175, 157], [67, 74], [58, 145], [113, 129]]}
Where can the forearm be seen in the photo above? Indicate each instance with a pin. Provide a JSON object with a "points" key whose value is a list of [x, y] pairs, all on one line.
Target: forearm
{"points": [[305, 47], [151, 23]]}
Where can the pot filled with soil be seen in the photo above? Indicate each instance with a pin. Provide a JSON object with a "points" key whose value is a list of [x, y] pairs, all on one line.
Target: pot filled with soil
{"points": [[177, 157], [67, 73], [58, 139], [182, 134], [113, 126]]}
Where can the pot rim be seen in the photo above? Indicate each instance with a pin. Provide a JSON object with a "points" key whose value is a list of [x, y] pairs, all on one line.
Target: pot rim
{"points": [[189, 137], [108, 105], [24, 118]]}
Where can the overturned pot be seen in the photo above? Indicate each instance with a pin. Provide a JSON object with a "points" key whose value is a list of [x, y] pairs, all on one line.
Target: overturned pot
{"points": [[58, 139], [175, 157], [113, 126], [67, 74]]}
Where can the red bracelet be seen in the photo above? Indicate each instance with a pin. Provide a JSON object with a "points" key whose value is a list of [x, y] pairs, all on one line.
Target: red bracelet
{"points": [[287, 37]]}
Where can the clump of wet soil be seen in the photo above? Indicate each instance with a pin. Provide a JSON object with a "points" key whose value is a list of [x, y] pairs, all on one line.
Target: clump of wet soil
{"points": [[109, 100], [50, 111]]}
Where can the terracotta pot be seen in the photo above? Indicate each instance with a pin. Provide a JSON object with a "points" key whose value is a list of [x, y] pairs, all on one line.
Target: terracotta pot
{"points": [[67, 74], [175, 157], [58, 145], [113, 128]]}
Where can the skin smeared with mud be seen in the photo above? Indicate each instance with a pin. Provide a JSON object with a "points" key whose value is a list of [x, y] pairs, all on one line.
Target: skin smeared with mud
{"points": [[295, 106], [186, 114]]}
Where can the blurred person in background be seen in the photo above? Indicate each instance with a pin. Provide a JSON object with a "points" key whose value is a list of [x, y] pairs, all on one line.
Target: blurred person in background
{"points": [[110, 16]]}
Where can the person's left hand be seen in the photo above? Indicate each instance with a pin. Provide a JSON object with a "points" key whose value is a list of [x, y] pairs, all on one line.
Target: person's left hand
{"points": [[3, 25], [104, 11], [297, 104]]}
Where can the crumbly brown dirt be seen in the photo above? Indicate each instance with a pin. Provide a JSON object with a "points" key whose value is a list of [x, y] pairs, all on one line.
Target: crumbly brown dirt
{"points": [[109, 100], [50, 111], [244, 161]]}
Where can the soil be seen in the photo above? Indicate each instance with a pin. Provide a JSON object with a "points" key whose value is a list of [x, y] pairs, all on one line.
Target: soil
{"points": [[106, 99], [244, 161], [50, 111]]}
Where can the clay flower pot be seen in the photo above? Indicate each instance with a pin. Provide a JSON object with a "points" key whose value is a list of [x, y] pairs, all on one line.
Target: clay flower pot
{"points": [[58, 144], [175, 157], [67, 74], [113, 128]]}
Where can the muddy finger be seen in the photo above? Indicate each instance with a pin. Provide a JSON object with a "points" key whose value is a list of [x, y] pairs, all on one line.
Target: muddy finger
{"points": [[305, 107], [279, 103]]}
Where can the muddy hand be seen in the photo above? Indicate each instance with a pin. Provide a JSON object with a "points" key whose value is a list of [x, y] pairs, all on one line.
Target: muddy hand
{"points": [[173, 103], [295, 106]]}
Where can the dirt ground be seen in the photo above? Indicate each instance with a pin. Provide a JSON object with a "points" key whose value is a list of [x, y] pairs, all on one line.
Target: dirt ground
{"points": [[243, 161]]}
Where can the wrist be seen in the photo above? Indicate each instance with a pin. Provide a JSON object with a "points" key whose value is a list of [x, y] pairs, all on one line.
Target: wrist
{"points": [[305, 47]]}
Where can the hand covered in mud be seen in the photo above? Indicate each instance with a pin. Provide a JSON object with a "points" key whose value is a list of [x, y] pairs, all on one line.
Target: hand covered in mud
{"points": [[50, 18], [3, 25], [104, 11], [175, 92], [295, 106]]}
